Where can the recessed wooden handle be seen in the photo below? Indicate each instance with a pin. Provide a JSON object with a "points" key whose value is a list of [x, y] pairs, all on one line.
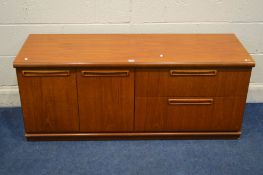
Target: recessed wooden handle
{"points": [[196, 101], [193, 72], [105, 73], [45, 73]]}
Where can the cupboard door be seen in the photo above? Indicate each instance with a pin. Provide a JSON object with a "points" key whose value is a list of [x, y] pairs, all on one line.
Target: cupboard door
{"points": [[188, 114], [49, 100], [106, 100]]}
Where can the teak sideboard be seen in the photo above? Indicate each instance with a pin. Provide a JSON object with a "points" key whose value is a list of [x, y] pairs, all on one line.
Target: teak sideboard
{"points": [[132, 86]]}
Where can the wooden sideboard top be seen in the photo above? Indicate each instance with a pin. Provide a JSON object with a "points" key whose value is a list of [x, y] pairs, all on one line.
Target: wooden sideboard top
{"points": [[132, 50]]}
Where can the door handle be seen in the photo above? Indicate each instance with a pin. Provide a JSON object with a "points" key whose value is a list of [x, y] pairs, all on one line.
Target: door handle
{"points": [[193, 72], [196, 101], [105, 73], [45, 73]]}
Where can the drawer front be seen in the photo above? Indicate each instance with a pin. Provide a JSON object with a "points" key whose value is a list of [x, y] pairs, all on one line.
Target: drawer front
{"points": [[49, 100], [192, 82], [106, 100], [188, 114]]}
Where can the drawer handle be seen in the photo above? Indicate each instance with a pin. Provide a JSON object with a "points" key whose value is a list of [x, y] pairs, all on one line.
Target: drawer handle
{"points": [[200, 101], [193, 72], [106, 73], [45, 73]]}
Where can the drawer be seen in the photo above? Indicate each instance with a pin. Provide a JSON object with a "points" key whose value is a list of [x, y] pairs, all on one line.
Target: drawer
{"points": [[191, 82], [188, 114]]}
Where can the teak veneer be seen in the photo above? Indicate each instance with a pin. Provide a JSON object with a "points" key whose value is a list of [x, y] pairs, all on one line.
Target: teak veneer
{"points": [[132, 86]]}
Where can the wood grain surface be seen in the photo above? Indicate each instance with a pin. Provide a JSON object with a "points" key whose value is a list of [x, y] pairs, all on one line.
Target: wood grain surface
{"points": [[146, 50], [96, 86], [160, 83], [106, 103], [49, 102], [156, 114]]}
